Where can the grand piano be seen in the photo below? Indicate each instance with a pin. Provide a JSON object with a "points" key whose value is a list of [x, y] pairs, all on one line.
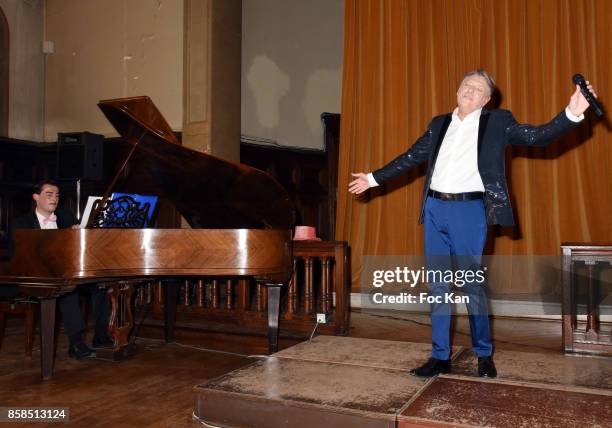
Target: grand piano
{"points": [[240, 220]]}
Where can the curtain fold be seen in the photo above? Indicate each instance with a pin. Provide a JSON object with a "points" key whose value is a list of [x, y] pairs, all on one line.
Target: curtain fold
{"points": [[403, 62]]}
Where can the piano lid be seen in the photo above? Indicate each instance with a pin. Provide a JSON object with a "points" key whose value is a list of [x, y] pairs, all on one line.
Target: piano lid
{"points": [[208, 191]]}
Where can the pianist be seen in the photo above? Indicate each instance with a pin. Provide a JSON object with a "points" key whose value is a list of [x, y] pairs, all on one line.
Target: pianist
{"points": [[45, 215]]}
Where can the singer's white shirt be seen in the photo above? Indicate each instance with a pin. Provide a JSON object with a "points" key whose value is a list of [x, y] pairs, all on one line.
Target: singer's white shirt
{"points": [[456, 169]]}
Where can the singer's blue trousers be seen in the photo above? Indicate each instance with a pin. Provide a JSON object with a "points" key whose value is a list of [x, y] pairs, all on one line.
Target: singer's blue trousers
{"points": [[455, 234]]}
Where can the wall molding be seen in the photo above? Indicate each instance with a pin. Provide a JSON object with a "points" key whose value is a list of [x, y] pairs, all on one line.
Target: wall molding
{"points": [[497, 308]]}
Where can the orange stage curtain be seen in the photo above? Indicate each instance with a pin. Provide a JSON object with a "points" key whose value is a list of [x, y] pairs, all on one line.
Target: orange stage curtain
{"points": [[403, 62]]}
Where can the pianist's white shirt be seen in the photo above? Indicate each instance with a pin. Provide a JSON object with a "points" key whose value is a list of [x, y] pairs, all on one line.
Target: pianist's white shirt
{"points": [[41, 220]]}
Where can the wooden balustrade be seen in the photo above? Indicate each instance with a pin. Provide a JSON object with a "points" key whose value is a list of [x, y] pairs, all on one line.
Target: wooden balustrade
{"points": [[320, 284], [587, 337]]}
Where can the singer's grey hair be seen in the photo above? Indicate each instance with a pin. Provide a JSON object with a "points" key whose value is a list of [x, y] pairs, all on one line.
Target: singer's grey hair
{"points": [[480, 72]]}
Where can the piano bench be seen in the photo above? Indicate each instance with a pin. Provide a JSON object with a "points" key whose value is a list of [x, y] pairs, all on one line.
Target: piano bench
{"points": [[24, 308]]}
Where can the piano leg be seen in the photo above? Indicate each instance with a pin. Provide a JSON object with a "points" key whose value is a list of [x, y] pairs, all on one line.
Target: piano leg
{"points": [[120, 323], [170, 299], [47, 336], [273, 316]]}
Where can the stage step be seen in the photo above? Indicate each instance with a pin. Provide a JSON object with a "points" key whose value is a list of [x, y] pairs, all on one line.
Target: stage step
{"points": [[343, 381], [451, 401]]}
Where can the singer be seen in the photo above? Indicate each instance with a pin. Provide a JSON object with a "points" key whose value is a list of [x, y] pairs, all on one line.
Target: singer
{"points": [[465, 190]]}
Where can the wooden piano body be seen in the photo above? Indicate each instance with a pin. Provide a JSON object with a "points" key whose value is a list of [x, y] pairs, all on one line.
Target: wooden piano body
{"points": [[240, 218]]}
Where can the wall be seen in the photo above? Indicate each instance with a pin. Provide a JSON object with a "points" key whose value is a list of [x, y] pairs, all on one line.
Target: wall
{"points": [[26, 73], [291, 69], [115, 48], [212, 43], [110, 49]]}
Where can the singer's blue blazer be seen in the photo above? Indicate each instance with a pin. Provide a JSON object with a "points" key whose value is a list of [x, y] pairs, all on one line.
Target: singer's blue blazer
{"points": [[497, 129]]}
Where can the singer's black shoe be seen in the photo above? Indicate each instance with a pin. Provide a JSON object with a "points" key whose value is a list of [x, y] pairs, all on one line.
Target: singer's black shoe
{"points": [[432, 367], [102, 342], [79, 350], [486, 367]]}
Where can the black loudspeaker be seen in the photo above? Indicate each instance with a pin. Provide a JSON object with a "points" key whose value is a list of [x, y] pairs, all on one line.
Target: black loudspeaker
{"points": [[93, 162], [80, 155]]}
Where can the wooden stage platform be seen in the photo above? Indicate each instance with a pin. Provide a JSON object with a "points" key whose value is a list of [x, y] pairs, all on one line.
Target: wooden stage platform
{"points": [[344, 381]]}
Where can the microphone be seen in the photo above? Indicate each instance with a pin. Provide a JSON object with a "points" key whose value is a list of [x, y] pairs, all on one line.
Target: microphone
{"points": [[578, 79]]}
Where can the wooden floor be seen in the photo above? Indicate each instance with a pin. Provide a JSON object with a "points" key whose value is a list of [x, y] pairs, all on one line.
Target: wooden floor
{"points": [[154, 388]]}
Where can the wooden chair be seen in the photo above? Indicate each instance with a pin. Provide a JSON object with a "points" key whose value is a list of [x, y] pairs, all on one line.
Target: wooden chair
{"points": [[23, 308]]}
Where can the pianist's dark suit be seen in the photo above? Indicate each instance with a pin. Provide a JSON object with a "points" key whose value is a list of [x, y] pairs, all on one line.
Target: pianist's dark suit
{"points": [[68, 303], [65, 219]]}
